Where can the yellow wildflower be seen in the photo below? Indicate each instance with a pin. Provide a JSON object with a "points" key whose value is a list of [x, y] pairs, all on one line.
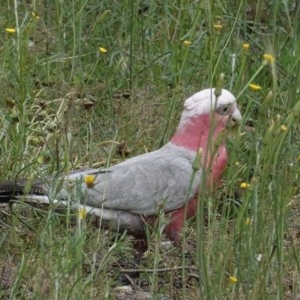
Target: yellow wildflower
{"points": [[187, 42], [245, 46], [254, 87], [244, 185], [268, 58], [218, 26], [283, 127], [35, 16], [237, 163], [10, 30], [89, 180], [81, 213], [233, 279], [102, 50], [248, 221]]}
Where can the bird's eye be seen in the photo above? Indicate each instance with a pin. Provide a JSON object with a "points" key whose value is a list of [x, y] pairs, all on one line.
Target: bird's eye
{"points": [[223, 109]]}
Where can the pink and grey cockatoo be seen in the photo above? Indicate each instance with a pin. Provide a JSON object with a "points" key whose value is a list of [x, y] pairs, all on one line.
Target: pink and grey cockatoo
{"points": [[131, 193]]}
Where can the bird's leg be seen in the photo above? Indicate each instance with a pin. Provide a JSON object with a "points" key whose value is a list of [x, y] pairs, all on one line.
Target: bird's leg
{"points": [[140, 245], [173, 229]]}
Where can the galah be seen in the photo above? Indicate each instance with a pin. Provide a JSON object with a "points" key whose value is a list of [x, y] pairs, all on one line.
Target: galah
{"points": [[128, 195]]}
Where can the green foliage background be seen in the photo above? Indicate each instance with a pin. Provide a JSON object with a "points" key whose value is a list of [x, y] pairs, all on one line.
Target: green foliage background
{"points": [[65, 104]]}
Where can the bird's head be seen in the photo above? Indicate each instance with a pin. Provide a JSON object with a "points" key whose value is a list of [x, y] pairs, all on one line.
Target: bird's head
{"points": [[206, 113], [205, 103]]}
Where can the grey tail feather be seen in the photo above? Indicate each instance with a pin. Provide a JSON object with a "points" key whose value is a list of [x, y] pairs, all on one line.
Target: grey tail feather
{"points": [[10, 189], [35, 192]]}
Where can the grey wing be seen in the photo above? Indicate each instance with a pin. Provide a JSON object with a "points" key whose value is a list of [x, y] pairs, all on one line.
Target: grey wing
{"points": [[143, 187], [144, 184]]}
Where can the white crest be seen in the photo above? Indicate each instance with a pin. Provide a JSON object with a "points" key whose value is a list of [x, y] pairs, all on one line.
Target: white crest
{"points": [[204, 102]]}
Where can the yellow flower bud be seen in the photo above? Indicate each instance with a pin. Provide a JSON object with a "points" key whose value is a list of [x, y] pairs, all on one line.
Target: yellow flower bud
{"points": [[254, 87], [81, 213], [233, 279], [10, 30], [102, 50], [187, 42], [245, 46], [269, 58], [244, 185], [218, 26], [89, 180]]}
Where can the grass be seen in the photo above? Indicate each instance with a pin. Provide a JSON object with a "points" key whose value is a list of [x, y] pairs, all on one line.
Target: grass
{"points": [[65, 104]]}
